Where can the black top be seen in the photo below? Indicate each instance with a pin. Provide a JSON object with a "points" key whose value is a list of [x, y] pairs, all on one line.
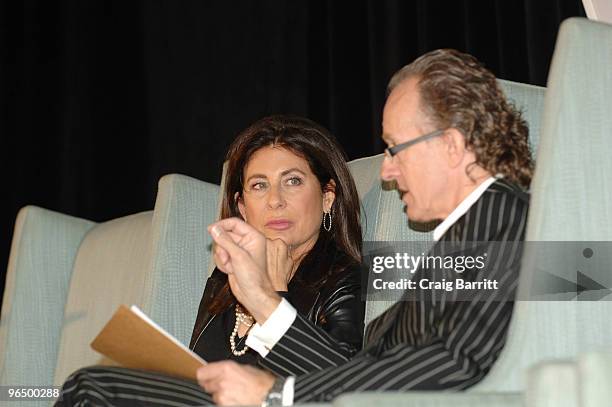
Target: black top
{"points": [[213, 345], [333, 304]]}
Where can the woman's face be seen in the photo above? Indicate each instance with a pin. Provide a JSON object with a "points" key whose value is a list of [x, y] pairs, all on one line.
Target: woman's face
{"points": [[283, 199]]}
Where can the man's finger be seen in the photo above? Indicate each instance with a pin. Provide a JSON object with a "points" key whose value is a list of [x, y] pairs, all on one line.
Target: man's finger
{"points": [[235, 237], [224, 240], [209, 385], [210, 371], [223, 263], [234, 225], [221, 254]]}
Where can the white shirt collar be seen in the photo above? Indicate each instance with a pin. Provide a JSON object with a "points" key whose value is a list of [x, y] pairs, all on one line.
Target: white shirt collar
{"points": [[462, 208]]}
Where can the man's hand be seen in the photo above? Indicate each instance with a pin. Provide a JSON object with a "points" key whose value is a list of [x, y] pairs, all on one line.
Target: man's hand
{"points": [[280, 264], [240, 252], [231, 384]]}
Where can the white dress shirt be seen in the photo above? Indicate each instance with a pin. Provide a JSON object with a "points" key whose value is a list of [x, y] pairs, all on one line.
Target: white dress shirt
{"points": [[262, 338], [462, 208]]}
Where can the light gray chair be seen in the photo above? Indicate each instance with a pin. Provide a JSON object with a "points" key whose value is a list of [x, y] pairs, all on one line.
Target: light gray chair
{"points": [[571, 201], [67, 276]]}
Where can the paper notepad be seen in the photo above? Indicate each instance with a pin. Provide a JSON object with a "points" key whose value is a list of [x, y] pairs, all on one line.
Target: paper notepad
{"points": [[132, 339]]}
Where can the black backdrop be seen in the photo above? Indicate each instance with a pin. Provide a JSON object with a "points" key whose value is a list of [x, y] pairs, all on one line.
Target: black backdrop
{"points": [[99, 99]]}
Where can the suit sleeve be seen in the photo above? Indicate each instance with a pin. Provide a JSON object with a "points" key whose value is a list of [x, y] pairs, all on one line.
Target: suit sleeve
{"points": [[456, 359], [307, 347]]}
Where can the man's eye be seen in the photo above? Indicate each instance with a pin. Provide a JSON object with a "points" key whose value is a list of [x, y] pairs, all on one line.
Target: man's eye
{"points": [[294, 181]]}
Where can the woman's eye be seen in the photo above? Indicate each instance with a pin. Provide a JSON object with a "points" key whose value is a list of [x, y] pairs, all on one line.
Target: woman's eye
{"points": [[294, 181], [258, 186]]}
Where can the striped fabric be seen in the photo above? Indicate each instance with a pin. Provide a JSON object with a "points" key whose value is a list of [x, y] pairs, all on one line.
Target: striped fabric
{"points": [[116, 386], [435, 342]]}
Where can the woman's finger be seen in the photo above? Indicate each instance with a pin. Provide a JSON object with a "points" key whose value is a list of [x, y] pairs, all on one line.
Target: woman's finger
{"points": [[283, 250]]}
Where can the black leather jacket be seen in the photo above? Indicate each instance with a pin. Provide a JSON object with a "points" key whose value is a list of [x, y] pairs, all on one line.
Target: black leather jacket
{"points": [[336, 307]]}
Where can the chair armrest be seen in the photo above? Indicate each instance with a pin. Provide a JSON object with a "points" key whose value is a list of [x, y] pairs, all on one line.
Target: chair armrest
{"points": [[428, 399], [43, 251]]}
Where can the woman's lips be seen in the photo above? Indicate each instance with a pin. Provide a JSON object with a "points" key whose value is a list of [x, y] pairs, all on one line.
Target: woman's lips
{"points": [[279, 224]]}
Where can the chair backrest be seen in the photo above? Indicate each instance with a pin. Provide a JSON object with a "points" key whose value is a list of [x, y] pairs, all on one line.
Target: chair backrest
{"points": [[109, 269], [572, 202], [383, 217], [183, 209], [40, 266], [157, 260], [598, 10]]}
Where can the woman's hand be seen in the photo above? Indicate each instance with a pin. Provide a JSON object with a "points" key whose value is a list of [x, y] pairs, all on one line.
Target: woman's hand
{"points": [[240, 252], [280, 264]]}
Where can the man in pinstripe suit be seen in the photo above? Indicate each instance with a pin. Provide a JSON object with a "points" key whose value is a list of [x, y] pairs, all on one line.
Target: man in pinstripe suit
{"points": [[458, 152]]}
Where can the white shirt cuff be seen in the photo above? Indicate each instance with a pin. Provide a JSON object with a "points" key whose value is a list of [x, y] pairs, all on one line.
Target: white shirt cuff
{"points": [[262, 338], [288, 389]]}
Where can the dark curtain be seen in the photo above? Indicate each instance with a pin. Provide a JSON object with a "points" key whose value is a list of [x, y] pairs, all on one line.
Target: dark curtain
{"points": [[99, 99]]}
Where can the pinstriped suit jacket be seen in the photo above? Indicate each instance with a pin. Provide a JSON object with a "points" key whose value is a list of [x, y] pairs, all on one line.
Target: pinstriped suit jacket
{"points": [[429, 343]]}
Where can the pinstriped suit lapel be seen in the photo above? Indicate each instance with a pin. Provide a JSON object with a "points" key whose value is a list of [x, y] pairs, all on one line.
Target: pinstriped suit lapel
{"points": [[395, 319], [477, 224]]}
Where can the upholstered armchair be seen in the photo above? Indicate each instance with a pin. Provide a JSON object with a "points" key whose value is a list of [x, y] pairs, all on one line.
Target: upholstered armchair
{"points": [[66, 276]]}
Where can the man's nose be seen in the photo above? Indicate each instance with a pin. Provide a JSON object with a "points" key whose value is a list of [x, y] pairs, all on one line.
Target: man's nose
{"points": [[275, 197], [389, 171]]}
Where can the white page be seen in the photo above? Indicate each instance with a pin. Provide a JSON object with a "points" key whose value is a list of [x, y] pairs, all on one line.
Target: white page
{"points": [[144, 316]]}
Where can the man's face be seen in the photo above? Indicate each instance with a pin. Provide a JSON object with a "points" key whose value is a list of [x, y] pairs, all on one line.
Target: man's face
{"points": [[420, 171]]}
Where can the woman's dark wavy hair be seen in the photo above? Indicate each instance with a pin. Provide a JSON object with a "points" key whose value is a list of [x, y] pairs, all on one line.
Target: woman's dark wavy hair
{"points": [[334, 251], [456, 91]]}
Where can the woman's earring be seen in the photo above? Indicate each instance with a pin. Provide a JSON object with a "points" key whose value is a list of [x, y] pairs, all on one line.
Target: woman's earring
{"points": [[327, 221]]}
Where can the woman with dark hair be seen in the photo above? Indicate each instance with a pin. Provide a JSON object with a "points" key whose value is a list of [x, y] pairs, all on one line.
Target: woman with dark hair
{"points": [[287, 177]]}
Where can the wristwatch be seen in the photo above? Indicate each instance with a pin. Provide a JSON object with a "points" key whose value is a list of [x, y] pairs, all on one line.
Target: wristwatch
{"points": [[274, 398]]}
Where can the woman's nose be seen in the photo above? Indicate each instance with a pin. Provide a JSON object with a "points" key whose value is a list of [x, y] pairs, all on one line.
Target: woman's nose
{"points": [[276, 198]]}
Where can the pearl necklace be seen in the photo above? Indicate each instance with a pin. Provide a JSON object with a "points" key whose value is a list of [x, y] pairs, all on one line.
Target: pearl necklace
{"points": [[244, 318]]}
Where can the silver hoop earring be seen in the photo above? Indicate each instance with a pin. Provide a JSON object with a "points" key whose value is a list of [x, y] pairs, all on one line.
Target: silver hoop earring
{"points": [[327, 221]]}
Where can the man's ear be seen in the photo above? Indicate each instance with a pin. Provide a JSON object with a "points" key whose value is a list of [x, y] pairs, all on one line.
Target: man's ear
{"points": [[454, 146], [329, 195], [241, 206]]}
